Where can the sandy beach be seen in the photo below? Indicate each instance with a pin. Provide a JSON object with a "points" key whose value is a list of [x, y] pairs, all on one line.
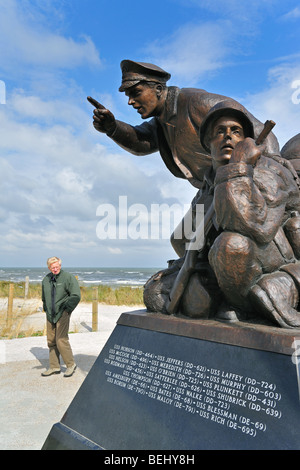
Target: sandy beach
{"points": [[29, 403]]}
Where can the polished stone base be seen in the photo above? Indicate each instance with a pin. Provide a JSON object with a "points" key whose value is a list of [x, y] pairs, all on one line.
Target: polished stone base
{"points": [[167, 383]]}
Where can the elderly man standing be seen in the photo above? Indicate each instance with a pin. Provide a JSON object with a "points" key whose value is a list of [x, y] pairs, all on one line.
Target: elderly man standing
{"points": [[173, 130], [60, 295]]}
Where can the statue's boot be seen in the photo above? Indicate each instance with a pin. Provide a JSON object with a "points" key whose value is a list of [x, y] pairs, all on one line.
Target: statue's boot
{"points": [[275, 296], [226, 313]]}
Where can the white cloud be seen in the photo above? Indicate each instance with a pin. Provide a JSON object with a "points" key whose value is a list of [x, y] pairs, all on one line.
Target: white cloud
{"points": [[32, 43], [193, 50], [55, 168], [114, 251], [54, 177], [33, 107], [292, 14], [276, 101], [72, 182]]}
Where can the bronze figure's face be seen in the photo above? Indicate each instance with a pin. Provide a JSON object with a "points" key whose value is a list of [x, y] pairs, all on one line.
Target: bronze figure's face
{"points": [[226, 133], [146, 99]]}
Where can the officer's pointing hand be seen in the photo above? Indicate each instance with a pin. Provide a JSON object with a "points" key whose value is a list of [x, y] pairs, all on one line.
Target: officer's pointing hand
{"points": [[104, 120]]}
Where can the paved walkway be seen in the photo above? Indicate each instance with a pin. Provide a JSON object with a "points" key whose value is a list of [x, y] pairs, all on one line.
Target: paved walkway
{"points": [[29, 403]]}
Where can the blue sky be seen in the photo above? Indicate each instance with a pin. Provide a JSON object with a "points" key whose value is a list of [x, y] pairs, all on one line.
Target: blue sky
{"points": [[56, 170]]}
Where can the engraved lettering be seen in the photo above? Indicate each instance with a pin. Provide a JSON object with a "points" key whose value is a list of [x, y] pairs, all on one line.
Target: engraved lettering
{"points": [[222, 396]]}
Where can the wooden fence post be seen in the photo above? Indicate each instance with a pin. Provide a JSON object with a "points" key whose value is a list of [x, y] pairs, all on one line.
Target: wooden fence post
{"points": [[95, 309], [26, 286], [10, 304]]}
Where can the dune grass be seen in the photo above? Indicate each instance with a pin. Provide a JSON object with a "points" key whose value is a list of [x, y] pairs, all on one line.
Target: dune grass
{"points": [[113, 295], [106, 294]]}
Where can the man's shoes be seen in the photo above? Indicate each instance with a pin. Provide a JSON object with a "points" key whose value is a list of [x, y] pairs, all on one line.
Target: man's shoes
{"points": [[49, 372], [70, 371]]}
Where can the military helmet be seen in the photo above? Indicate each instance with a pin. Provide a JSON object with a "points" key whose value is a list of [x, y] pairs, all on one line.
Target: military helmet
{"points": [[224, 108]]}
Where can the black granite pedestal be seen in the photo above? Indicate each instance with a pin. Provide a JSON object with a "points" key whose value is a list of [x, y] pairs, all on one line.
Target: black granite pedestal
{"points": [[171, 383]]}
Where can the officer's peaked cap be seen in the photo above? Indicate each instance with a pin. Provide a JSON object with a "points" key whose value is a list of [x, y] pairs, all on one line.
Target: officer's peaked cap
{"points": [[135, 72]]}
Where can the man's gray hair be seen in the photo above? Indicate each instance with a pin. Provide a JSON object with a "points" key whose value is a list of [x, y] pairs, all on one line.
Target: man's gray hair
{"points": [[53, 259]]}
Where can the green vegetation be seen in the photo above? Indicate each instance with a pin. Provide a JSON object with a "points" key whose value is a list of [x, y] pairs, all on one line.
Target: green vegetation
{"points": [[35, 290], [113, 296], [106, 294]]}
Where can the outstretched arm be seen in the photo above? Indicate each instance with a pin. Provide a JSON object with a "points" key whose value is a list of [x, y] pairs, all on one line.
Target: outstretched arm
{"points": [[139, 140]]}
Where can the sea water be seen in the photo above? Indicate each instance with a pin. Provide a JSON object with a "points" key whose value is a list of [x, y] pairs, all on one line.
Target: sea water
{"points": [[86, 276]]}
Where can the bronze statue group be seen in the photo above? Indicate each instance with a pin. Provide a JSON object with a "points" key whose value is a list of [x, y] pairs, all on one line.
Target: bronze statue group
{"points": [[247, 266]]}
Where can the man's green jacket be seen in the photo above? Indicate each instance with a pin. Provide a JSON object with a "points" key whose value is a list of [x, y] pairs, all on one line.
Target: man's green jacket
{"points": [[67, 294]]}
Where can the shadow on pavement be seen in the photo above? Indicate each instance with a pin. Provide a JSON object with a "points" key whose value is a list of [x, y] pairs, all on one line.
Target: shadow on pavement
{"points": [[83, 361]]}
